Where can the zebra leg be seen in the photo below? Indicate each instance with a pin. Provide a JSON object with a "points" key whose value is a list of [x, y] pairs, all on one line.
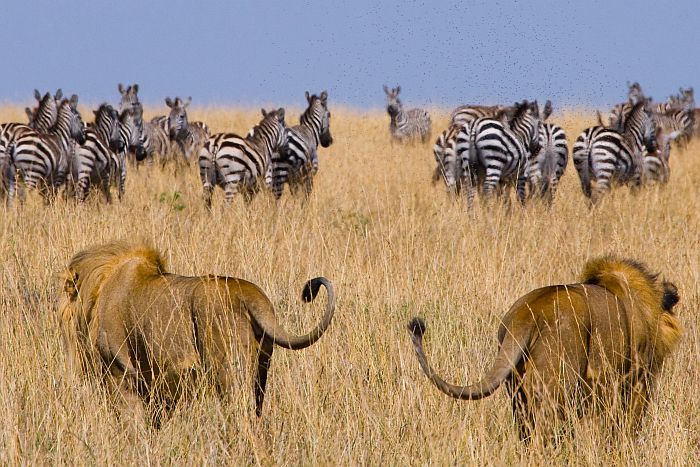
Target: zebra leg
{"points": [[106, 190], [122, 182], [230, 191], [522, 181], [83, 187]]}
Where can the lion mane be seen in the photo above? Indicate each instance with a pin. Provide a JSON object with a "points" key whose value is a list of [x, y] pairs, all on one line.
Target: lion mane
{"points": [[590, 345], [145, 332]]}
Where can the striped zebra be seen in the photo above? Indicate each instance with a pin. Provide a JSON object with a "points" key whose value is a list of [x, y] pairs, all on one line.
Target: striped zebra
{"points": [[635, 94], [131, 136], [684, 100], [406, 125], [680, 121], [188, 136], [239, 164], [547, 166], [96, 161], [495, 153], [657, 168], [448, 168], [605, 155], [156, 141], [299, 163], [43, 118], [130, 98], [468, 113], [42, 160]]}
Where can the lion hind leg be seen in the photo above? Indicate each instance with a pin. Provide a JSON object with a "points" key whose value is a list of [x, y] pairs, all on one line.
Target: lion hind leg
{"points": [[264, 357]]}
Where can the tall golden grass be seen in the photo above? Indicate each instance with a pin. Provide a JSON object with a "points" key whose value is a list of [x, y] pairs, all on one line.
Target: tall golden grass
{"points": [[394, 246]]}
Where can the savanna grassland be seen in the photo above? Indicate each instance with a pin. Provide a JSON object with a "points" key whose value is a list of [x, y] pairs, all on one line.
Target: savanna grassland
{"points": [[394, 246]]}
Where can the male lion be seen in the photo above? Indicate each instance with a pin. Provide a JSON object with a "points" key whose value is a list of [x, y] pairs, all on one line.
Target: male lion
{"points": [[565, 348], [146, 333]]}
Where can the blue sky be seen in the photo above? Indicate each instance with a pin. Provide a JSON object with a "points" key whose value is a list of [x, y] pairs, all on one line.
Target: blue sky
{"points": [[270, 52]]}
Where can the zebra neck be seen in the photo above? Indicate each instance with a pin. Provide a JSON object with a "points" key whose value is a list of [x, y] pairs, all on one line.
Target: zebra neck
{"points": [[314, 125], [263, 140], [400, 118]]}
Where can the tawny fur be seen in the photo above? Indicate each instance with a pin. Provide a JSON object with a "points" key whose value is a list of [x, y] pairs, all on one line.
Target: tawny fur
{"points": [[147, 333], [568, 349]]}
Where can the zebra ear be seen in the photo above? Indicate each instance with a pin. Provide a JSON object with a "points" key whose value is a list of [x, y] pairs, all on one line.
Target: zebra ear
{"points": [[386, 90], [324, 97], [120, 88], [135, 88], [59, 94], [37, 95], [280, 115], [74, 101], [308, 96], [30, 114], [169, 102], [264, 114], [398, 90], [547, 111], [187, 102]]}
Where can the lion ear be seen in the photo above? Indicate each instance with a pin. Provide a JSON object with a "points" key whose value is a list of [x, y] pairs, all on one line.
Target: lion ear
{"points": [[670, 297]]}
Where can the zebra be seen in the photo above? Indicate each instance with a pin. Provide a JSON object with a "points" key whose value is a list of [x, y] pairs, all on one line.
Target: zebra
{"points": [[96, 160], [605, 155], [685, 100], [635, 94], [406, 125], [680, 121], [448, 167], [299, 163], [189, 136], [656, 166], [547, 166], [129, 95], [468, 113], [156, 142], [131, 136], [495, 153], [43, 118], [240, 164], [42, 160]]}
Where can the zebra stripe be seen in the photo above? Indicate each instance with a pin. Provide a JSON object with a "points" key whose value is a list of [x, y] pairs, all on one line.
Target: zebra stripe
{"points": [[406, 125], [547, 165], [96, 160], [43, 118], [448, 167], [42, 159], [676, 121], [156, 142], [604, 155], [240, 164], [468, 113], [298, 165], [496, 154]]}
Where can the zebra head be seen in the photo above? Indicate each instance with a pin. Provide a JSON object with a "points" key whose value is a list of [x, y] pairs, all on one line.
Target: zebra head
{"points": [[634, 92], [68, 112], [177, 120], [687, 99], [393, 103], [318, 116], [44, 116], [129, 96], [131, 130], [107, 123]]}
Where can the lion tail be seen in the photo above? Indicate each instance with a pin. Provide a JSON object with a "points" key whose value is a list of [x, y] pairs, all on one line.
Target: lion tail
{"points": [[509, 355], [293, 342]]}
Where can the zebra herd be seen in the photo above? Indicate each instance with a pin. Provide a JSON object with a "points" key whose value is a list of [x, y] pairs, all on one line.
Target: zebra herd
{"points": [[55, 149], [486, 149], [493, 148]]}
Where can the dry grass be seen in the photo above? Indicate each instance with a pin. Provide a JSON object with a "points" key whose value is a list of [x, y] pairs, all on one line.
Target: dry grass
{"points": [[395, 247]]}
